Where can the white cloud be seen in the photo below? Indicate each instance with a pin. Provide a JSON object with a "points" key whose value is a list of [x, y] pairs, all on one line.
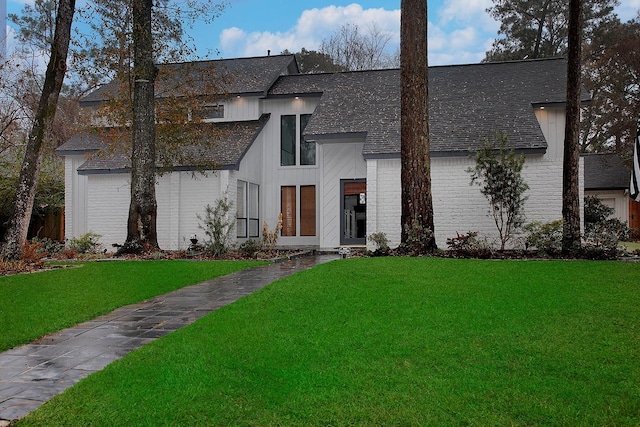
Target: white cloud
{"points": [[313, 26], [467, 12], [460, 33]]}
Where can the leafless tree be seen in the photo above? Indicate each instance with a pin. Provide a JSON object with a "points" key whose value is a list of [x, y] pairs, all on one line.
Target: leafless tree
{"points": [[351, 49]]}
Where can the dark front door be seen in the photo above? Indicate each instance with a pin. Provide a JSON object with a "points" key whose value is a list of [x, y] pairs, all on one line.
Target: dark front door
{"points": [[353, 208]]}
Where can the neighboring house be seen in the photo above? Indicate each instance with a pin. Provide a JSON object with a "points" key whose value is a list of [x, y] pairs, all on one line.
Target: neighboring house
{"points": [[324, 150], [607, 178]]}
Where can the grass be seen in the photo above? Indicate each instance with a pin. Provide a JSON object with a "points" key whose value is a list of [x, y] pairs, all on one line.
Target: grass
{"points": [[390, 341], [631, 246], [33, 305]]}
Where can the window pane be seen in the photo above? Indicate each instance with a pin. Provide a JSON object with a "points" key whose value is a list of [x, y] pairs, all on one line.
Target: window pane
{"points": [[287, 140], [241, 199], [308, 210], [307, 149], [253, 200], [241, 212], [288, 209]]}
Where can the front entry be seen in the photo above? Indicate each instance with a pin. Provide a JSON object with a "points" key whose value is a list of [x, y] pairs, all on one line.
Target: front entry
{"points": [[353, 205]]}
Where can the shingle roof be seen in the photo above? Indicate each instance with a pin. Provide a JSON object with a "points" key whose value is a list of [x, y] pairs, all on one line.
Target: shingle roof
{"points": [[234, 139], [605, 171], [225, 76], [468, 103]]}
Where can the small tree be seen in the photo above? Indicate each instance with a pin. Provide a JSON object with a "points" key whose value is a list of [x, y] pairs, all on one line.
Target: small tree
{"points": [[498, 173], [218, 226]]}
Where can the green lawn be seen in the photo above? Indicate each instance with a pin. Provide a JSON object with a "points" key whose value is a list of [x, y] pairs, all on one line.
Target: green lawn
{"points": [[390, 341], [631, 246], [32, 305]]}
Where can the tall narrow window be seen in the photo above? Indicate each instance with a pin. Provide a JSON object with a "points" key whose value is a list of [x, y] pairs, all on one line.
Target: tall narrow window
{"points": [[308, 210], [288, 140], [248, 210], [241, 211], [253, 209], [288, 209], [307, 149]]}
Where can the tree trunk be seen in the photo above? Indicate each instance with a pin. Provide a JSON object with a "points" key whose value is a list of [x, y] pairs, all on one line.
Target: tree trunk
{"points": [[570, 189], [18, 226], [417, 207], [141, 225]]}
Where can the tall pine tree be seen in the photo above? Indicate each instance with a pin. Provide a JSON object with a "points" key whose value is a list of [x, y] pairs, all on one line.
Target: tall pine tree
{"points": [[417, 205]]}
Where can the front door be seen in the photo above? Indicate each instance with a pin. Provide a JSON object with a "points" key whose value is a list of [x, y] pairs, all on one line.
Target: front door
{"points": [[353, 205]]}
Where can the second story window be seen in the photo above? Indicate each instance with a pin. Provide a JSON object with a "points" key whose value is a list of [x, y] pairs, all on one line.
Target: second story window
{"points": [[291, 138], [211, 111]]}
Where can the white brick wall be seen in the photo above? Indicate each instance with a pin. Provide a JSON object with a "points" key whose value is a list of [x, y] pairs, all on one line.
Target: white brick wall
{"points": [[458, 206]]}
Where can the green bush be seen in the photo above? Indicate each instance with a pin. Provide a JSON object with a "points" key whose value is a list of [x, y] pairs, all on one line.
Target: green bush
{"points": [[380, 240], [418, 239], [88, 243], [601, 233], [48, 246], [545, 237]]}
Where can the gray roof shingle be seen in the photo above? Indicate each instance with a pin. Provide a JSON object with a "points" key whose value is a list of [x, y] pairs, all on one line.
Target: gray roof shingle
{"points": [[234, 139], [605, 171], [241, 76], [468, 103]]}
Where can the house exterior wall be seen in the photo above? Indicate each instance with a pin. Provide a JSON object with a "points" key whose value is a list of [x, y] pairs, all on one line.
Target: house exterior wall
{"points": [[240, 108], [181, 196], [75, 197], [274, 176], [459, 206], [339, 161]]}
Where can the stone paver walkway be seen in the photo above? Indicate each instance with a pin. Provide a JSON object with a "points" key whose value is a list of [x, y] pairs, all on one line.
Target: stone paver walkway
{"points": [[34, 373]]}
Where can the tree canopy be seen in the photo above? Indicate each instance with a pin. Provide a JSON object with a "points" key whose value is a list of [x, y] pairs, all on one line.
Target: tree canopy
{"points": [[532, 29]]}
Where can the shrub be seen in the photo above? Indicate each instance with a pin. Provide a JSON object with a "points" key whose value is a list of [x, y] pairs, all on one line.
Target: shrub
{"points": [[418, 239], [545, 237], [50, 246], [88, 243], [469, 246], [270, 238], [250, 248], [218, 226], [601, 233], [380, 240]]}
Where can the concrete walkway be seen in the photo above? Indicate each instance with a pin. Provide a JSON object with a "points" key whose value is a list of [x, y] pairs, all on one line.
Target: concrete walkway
{"points": [[34, 373]]}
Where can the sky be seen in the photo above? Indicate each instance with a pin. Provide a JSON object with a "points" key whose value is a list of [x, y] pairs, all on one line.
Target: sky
{"points": [[460, 31]]}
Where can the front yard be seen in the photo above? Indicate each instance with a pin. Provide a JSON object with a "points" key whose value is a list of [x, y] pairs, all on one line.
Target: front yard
{"points": [[390, 341], [32, 305]]}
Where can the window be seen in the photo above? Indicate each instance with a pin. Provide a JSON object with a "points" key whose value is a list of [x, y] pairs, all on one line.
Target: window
{"points": [[308, 210], [291, 211], [247, 216], [287, 140], [307, 149], [288, 209], [290, 138], [210, 111]]}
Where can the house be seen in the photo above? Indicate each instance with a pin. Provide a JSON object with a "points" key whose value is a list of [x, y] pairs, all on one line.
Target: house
{"points": [[607, 178], [324, 150]]}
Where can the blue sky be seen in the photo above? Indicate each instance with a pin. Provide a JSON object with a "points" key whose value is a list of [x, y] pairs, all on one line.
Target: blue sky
{"points": [[460, 31]]}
